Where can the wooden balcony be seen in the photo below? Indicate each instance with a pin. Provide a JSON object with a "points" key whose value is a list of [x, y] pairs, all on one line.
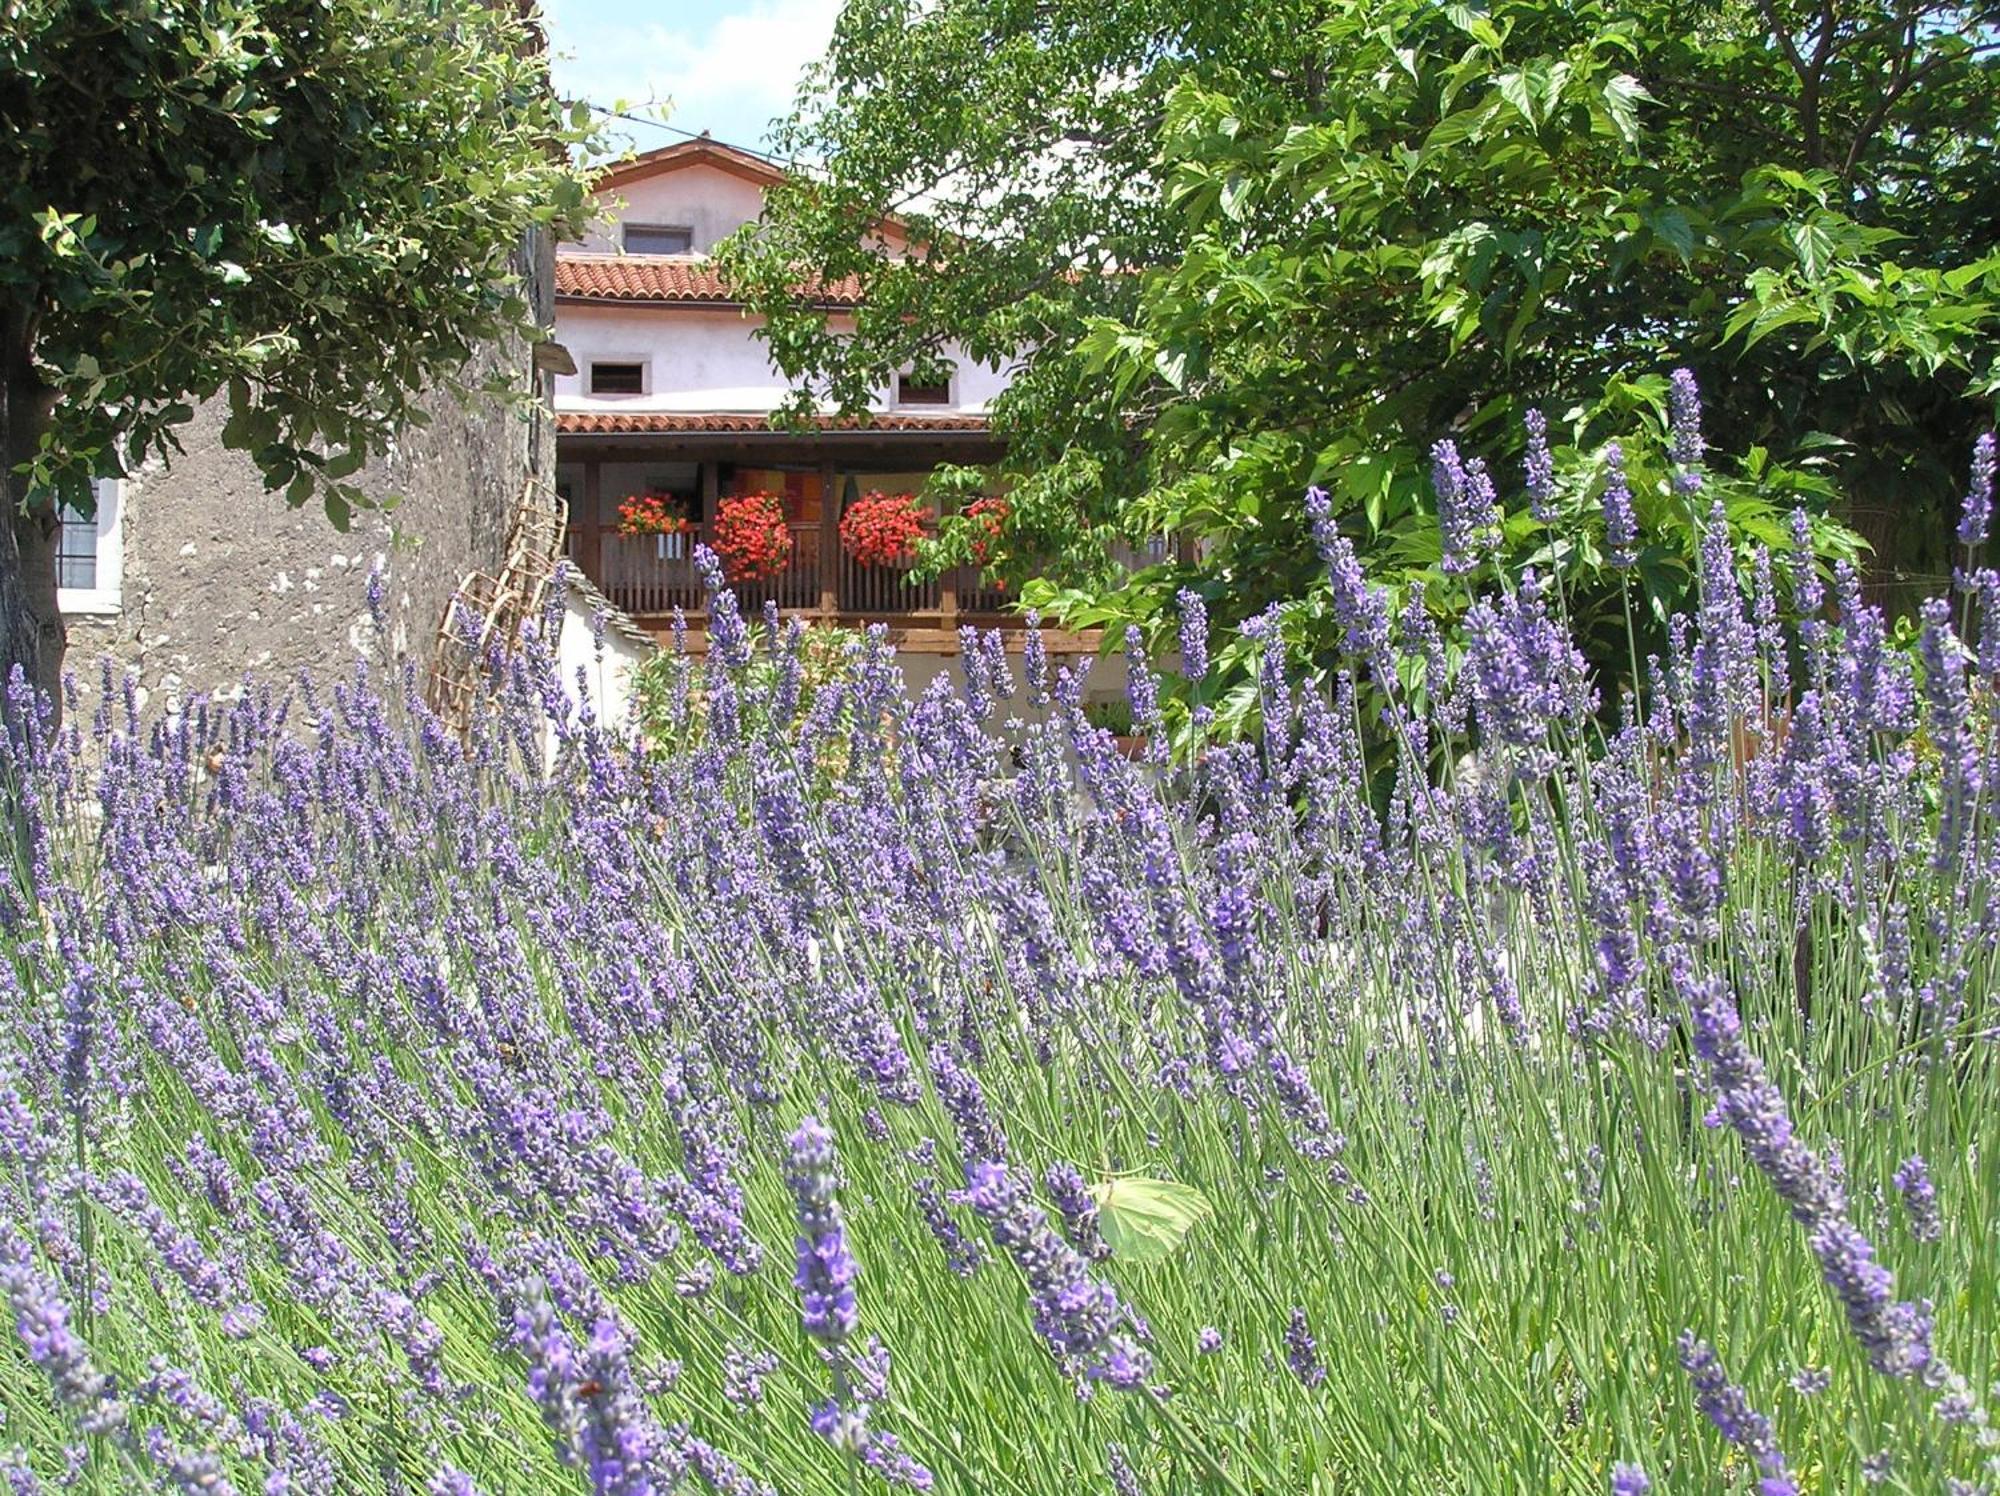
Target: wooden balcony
{"points": [[652, 576]]}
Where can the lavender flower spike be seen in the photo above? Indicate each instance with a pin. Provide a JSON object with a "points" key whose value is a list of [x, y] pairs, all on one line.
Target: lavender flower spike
{"points": [[1629, 1480], [1913, 1183], [1728, 1408], [1302, 1351], [1541, 468], [1978, 509], [1684, 419], [42, 1320], [826, 1270], [1194, 634], [1466, 508], [1075, 1314], [1361, 610], [1621, 525]]}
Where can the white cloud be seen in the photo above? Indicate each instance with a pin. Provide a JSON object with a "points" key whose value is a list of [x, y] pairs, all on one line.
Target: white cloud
{"points": [[729, 74]]}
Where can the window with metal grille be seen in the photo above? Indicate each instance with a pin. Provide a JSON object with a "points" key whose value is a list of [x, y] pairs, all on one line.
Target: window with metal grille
{"points": [[90, 554], [658, 239], [76, 549], [618, 379], [911, 391]]}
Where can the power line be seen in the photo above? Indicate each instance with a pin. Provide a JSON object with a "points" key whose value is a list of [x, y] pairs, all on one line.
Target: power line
{"points": [[686, 134]]}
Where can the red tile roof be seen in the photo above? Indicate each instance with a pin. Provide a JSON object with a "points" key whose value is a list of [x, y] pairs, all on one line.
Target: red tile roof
{"points": [[634, 422], [661, 278], [701, 151]]}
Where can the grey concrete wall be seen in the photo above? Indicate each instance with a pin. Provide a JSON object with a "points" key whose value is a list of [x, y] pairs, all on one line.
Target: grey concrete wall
{"points": [[220, 578]]}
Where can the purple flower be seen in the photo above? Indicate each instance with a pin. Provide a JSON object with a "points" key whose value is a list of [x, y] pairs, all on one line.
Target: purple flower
{"points": [[1621, 524], [962, 1254], [1684, 422], [1302, 1351], [1361, 610], [1541, 468], [826, 1269], [1124, 1479], [1194, 634], [1035, 658], [42, 1321], [728, 635], [1075, 1314], [1948, 721], [1896, 1336], [1977, 511], [1523, 673], [1913, 1183], [1808, 592], [1142, 690], [1208, 1340], [1468, 511], [1629, 1480], [1729, 1409], [1072, 1200]]}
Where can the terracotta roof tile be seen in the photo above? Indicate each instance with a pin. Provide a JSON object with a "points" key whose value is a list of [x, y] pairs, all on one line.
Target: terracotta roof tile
{"points": [[681, 278], [634, 422]]}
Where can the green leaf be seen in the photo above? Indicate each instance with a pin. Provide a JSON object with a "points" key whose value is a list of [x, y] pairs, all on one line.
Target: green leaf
{"points": [[1145, 1220], [1622, 97], [1671, 227], [1235, 197], [1474, 23], [1518, 89], [1814, 245]]}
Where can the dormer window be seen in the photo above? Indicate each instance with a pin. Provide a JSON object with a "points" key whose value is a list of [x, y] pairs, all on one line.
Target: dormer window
{"points": [[658, 239], [617, 378], [913, 391]]}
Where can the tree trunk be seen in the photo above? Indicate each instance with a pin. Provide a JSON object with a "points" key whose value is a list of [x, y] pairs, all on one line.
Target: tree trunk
{"points": [[31, 626]]}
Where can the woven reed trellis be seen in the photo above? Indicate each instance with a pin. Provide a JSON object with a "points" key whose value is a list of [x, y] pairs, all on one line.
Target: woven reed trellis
{"points": [[487, 611]]}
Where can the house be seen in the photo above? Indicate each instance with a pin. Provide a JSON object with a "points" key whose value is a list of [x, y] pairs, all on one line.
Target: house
{"points": [[192, 576], [674, 395]]}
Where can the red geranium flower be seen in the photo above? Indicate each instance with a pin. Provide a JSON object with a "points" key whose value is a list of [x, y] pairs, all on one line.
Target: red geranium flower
{"points": [[883, 529], [988, 515], [652, 514], [751, 537]]}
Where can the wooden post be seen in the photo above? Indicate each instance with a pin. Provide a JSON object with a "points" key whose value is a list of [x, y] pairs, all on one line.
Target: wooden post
{"points": [[829, 543], [947, 594], [711, 484], [589, 544]]}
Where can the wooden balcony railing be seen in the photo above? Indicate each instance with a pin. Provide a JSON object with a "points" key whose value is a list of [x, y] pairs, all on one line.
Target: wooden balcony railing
{"points": [[649, 576]]}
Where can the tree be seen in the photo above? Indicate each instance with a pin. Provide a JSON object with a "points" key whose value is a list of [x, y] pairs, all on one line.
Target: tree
{"points": [[310, 205], [1239, 249]]}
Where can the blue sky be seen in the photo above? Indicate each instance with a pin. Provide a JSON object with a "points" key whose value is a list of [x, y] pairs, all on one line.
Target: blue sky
{"points": [[725, 66]]}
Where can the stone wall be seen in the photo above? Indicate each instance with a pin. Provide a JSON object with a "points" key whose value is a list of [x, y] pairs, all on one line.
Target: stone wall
{"points": [[220, 578]]}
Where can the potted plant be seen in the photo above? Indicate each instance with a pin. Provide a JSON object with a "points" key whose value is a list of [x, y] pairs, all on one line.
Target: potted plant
{"points": [[882, 529], [658, 514], [752, 538], [1114, 715]]}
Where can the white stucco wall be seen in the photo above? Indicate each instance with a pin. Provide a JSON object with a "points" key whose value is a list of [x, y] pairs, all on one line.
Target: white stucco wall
{"points": [[711, 202], [700, 358], [607, 682]]}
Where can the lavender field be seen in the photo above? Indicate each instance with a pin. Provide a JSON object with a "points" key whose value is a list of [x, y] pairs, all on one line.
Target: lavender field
{"points": [[880, 1092]]}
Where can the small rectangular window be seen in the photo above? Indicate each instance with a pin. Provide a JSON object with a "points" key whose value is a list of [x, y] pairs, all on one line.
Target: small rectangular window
{"points": [[658, 239], [90, 554], [76, 550], [618, 379], [915, 392]]}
